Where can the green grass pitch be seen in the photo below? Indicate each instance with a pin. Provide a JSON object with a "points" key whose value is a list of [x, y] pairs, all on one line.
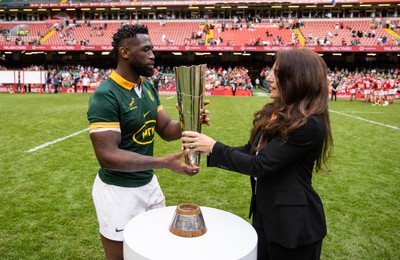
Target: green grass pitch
{"points": [[46, 210]]}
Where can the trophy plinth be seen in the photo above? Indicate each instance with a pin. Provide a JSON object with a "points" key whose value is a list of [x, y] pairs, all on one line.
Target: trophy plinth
{"points": [[188, 221], [190, 84]]}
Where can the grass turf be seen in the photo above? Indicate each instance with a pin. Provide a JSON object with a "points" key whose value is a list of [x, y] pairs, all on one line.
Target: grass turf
{"points": [[46, 211]]}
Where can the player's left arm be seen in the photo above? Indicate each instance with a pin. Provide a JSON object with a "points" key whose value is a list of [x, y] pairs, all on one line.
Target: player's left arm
{"points": [[167, 128]]}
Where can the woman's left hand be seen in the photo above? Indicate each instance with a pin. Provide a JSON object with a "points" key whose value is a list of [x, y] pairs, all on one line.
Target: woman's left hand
{"points": [[197, 142]]}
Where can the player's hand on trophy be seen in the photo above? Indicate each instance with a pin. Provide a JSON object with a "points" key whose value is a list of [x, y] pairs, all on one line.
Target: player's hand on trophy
{"points": [[205, 119], [175, 164], [195, 141]]}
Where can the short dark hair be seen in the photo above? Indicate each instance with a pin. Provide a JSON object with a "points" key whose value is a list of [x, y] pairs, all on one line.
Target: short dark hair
{"points": [[127, 31]]}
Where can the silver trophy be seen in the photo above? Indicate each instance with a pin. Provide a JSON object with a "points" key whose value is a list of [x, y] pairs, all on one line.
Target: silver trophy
{"points": [[190, 82]]}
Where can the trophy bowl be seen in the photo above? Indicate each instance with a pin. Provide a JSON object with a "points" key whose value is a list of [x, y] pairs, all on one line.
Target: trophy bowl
{"points": [[188, 221]]}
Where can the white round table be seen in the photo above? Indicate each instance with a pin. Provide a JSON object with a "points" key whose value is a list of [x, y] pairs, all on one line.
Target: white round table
{"points": [[228, 236]]}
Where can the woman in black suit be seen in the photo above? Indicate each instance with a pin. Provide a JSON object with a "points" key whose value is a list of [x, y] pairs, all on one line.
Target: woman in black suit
{"points": [[290, 136]]}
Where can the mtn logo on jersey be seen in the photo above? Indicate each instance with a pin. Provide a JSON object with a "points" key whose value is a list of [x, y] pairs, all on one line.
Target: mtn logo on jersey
{"points": [[145, 135]]}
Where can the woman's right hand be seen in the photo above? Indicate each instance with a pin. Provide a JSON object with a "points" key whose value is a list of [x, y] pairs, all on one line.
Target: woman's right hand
{"points": [[197, 142]]}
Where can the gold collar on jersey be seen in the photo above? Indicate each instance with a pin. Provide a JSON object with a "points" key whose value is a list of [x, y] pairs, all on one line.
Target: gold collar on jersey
{"points": [[123, 82]]}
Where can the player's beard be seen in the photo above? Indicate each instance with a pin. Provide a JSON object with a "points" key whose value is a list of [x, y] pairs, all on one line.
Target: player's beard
{"points": [[142, 69]]}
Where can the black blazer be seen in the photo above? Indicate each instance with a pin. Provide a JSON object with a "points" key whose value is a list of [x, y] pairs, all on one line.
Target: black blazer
{"points": [[291, 210]]}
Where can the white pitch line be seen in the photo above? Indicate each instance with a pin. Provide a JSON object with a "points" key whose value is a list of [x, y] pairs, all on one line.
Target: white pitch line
{"points": [[366, 120], [362, 112], [57, 140], [170, 97]]}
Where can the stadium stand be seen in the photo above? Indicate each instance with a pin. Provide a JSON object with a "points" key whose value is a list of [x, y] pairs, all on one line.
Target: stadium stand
{"points": [[178, 32], [251, 35], [337, 31], [11, 35]]}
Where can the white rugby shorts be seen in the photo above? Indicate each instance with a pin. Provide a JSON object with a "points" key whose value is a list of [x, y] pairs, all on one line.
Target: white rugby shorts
{"points": [[116, 205]]}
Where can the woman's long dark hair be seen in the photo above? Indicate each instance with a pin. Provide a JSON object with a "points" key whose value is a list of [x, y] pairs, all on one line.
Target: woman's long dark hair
{"points": [[301, 77]]}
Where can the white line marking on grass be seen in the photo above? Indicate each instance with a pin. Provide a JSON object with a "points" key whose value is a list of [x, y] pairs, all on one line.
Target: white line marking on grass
{"points": [[366, 120], [260, 94], [361, 112], [57, 140], [170, 97]]}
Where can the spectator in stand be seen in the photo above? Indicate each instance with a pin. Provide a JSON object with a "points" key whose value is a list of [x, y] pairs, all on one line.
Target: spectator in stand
{"points": [[334, 89], [56, 83], [74, 84], [384, 39], [85, 83], [155, 80], [233, 87], [249, 85], [78, 85], [163, 38], [67, 82], [49, 82], [257, 83]]}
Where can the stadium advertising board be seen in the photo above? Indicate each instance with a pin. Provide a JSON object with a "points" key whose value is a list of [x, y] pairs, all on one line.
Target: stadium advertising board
{"points": [[176, 3], [168, 48], [23, 77]]}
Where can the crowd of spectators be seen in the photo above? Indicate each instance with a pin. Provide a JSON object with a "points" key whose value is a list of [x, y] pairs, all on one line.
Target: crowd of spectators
{"points": [[65, 29], [353, 37], [216, 78], [23, 36], [356, 36], [376, 86], [340, 34]]}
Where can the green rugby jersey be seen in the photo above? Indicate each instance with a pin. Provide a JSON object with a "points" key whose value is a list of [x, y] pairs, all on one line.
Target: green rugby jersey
{"points": [[115, 104]]}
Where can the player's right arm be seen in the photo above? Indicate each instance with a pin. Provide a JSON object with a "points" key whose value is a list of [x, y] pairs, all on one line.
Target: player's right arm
{"points": [[110, 156]]}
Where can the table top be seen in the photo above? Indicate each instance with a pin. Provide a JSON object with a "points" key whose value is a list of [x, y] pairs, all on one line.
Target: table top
{"points": [[228, 236]]}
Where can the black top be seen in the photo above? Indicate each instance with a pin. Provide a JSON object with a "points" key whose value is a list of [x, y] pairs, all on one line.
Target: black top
{"points": [[291, 210]]}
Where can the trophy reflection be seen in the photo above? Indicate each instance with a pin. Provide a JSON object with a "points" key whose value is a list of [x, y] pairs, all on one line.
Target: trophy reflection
{"points": [[190, 82]]}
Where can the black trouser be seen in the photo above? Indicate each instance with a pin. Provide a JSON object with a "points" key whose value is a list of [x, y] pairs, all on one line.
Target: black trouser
{"points": [[267, 250], [333, 95]]}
